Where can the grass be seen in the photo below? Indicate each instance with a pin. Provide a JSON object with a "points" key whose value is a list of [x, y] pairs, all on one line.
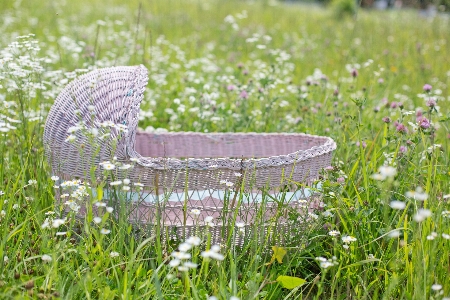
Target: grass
{"points": [[302, 70]]}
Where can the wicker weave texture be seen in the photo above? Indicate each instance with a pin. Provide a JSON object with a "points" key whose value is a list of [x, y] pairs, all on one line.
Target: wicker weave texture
{"points": [[170, 161]]}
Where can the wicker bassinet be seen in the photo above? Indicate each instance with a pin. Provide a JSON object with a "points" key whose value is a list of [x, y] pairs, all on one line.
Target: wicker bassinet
{"points": [[222, 175]]}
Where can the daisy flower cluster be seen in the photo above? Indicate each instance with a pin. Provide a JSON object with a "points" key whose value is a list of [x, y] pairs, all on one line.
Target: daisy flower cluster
{"points": [[325, 263], [102, 130], [72, 192], [181, 258]]}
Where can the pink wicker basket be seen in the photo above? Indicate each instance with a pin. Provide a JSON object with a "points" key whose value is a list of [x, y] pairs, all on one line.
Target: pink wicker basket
{"points": [[222, 175]]}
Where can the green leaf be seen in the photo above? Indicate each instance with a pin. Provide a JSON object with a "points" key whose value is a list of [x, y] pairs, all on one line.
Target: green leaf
{"points": [[278, 254], [290, 282]]}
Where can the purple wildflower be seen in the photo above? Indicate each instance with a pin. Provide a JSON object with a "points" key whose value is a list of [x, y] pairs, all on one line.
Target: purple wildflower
{"points": [[431, 102], [354, 73], [427, 88], [231, 87], [244, 94], [386, 120], [363, 144], [424, 123], [402, 128]]}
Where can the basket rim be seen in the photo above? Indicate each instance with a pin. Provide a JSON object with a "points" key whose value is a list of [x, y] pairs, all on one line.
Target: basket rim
{"points": [[168, 163]]}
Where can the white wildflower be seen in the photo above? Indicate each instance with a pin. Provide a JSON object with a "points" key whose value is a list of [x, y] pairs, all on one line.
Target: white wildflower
{"points": [[213, 253], [184, 247], [108, 166], [190, 265], [71, 138], [387, 171], [422, 214], [105, 231], [378, 176], [125, 167], [93, 131], [436, 287], [397, 204], [240, 224], [326, 263], [181, 255], [46, 224], [58, 222], [418, 194], [334, 233], [347, 239], [174, 263], [73, 129], [195, 212], [394, 234], [46, 258], [194, 241]]}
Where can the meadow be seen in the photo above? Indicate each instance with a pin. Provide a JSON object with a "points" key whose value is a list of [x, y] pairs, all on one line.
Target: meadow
{"points": [[378, 83]]}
